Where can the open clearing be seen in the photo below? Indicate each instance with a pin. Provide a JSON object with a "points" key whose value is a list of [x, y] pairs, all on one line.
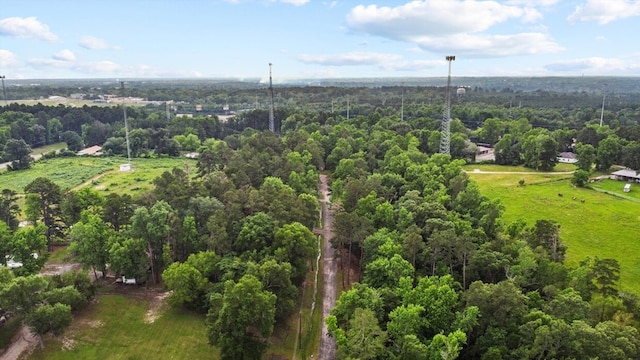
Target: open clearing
{"points": [[132, 326], [603, 225], [102, 173]]}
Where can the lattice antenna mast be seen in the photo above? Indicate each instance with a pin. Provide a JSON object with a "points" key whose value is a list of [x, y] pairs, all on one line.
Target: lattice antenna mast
{"points": [[126, 124], [445, 139], [604, 95], [272, 123]]}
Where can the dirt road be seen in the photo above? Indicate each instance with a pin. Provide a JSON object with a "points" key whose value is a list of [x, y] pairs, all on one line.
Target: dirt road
{"points": [[327, 343]]}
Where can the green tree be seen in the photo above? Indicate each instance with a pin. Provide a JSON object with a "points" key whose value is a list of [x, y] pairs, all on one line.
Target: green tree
{"points": [[18, 152], [256, 233], [9, 209], [90, 242], [276, 278], [545, 236], [296, 244], [188, 286], [607, 153], [580, 178], [365, 339], [128, 256], [29, 246], [22, 294], [241, 319], [49, 318], [117, 210], [540, 152], [73, 140], [67, 295], [586, 154], [49, 196], [154, 226]]}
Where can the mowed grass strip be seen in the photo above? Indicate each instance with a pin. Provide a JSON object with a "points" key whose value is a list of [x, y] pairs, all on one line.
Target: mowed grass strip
{"points": [[603, 225], [117, 327]]}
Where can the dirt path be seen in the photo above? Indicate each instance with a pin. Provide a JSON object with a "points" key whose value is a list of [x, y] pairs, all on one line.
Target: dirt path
{"points": [[327, 343], [24, 341], [88, 182]]}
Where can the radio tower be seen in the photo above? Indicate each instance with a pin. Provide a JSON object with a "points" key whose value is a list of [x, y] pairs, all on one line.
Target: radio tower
{"points": [[445, 139], [272, 123], [126, 125]]}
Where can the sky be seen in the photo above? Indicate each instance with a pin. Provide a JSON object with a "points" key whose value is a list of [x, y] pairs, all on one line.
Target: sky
{"points": [[309, 39]]}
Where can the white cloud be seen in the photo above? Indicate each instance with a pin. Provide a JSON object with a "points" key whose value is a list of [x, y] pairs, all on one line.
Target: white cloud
{"points": [[533, 3], [7, 59], [26, 28], [293, 2], [453, 25], [353, 58], [64, 55], [605, 11], [93, 43], [97, 67], [487, 46], [381, 60], [433, 17], [597, 65]]}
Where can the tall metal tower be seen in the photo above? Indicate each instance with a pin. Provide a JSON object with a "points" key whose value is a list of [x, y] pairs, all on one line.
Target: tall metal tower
{"points": [[272, 123], [445, 138], [604, 94], [126, 124]]}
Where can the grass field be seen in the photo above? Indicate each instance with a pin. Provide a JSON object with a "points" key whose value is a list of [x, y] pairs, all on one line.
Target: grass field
{"points": [[603, 225], [118, 327], [66, 172], [101, 173]]}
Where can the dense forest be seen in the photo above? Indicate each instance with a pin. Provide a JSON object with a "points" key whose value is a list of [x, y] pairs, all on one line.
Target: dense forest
{"points": [[439, 275]]}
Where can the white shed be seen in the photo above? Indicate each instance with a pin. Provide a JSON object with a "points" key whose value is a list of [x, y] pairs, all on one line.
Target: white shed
{"points": [[627, 188]]}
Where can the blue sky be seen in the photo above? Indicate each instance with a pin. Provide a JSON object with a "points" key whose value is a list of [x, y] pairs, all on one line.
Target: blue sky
{"points": [[317, 39]]}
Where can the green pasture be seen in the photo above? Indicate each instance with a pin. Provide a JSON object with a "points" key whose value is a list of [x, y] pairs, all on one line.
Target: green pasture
{"points": [[560, 167], [49, 148], [117, 327], [66, 172], [616, 187], [140, 179], [102, 173], [603, 225]]}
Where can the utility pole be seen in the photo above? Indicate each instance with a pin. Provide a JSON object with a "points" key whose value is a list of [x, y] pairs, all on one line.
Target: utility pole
{"points": [[272, 123], [445, 139], [4, 92]]}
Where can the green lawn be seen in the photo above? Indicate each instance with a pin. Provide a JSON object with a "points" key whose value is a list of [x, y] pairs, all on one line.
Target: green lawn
{"points": [[115, 328], [603, 225], [49, 148], [616, 187]]}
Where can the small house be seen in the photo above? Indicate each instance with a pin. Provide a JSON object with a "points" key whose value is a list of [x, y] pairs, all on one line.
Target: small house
{"points": [[627, 188]]}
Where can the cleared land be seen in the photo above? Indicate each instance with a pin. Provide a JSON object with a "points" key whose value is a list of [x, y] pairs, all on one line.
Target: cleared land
{"points": [[131, 327], [603, 225], [98, 172]]}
